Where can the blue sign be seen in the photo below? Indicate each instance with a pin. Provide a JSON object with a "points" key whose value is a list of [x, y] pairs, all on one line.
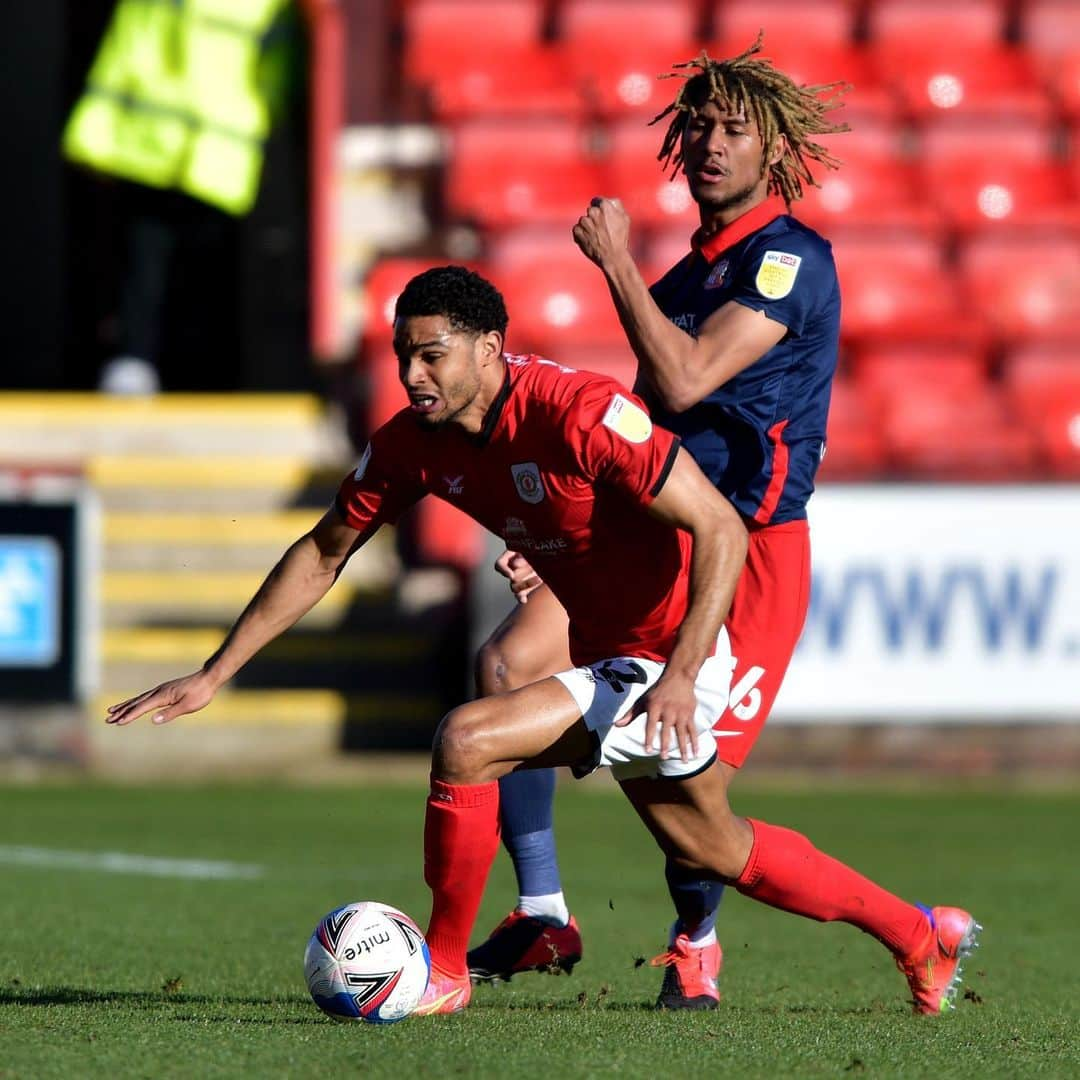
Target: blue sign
{"points": [[29, 601]]}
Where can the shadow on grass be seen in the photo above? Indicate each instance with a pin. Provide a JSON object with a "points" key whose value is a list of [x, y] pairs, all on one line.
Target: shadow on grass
{"points": [[78, 995]]}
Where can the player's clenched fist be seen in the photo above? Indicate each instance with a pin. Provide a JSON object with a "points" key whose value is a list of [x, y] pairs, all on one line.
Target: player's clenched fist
{"points": [[603, 231]]}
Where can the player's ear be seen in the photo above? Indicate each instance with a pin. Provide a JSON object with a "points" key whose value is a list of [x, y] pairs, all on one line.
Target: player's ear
{"points": [[779, 148], [490, 346]]}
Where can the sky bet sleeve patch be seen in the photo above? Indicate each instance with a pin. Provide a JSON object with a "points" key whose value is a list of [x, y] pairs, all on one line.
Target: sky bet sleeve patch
{"points": [[627, 420], [777, 273]]}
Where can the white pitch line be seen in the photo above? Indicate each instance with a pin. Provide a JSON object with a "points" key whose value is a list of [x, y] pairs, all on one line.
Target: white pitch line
{"points": [[118, 862]]}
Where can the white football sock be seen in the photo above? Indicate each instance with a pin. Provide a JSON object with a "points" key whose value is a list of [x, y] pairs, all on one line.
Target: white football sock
{"points": [[551, 908], [699, 938]]}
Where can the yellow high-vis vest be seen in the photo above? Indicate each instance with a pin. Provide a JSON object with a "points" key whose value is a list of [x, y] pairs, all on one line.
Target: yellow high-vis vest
{"points": [[174, 98]]}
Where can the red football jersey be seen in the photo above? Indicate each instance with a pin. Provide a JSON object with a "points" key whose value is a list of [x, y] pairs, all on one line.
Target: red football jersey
{"points": [[562, 471]]}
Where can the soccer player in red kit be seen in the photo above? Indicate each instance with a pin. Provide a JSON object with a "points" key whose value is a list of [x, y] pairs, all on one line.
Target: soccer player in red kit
{"points": [[737, 346], [572, 464]]}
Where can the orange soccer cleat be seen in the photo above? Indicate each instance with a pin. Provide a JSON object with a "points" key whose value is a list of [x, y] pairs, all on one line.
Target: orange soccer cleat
{"points": [[690, 974], [445, 994], [525, 943], [933, 971]]}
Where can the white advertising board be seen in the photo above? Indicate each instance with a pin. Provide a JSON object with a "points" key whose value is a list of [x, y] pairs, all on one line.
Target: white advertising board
{"points": [[943, 602]]}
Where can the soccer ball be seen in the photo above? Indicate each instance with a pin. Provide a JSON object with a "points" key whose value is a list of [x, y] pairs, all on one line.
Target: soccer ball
{"points": [[367, 961]]}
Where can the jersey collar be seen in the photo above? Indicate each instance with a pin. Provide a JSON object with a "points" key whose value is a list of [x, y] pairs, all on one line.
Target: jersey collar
{"points": [[495, 410], [709, 247]]}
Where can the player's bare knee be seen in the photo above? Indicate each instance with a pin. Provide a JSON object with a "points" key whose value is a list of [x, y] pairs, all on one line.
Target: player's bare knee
{"points": [[460, 747]]}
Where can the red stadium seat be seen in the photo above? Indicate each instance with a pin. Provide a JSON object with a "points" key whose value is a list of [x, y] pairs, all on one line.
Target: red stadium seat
{"points": [[991, 172], [1049, 28], [924, 22], [511, 249], [957, 434], [523, 81], [511, 173], [993, 80], [875, 184], [885, 372], [651, 195], [664, 248], [559, 304], [854, 449], [1063, 81], [895, 287], [1023, 286], [594, 23], [826, 23], [620, 77], [381, 289], [437, 32], [1043, 382]]}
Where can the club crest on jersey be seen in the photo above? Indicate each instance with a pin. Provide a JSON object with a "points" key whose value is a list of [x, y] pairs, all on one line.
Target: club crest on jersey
{"points": [[777, 273], [717, 275], [527, 481], [362, 467], [627, 420]]}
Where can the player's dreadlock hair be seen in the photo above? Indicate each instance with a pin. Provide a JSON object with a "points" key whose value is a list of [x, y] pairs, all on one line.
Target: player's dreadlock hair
{"points": [[777, 105], [468, 301]]}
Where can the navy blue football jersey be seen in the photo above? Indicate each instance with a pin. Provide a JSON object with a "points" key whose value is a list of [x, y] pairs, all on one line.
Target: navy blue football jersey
{"points": [[761, 436]]}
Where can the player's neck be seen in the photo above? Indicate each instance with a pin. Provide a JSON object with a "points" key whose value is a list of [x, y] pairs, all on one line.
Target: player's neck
{"points": [[713, 220], [472, 420]]}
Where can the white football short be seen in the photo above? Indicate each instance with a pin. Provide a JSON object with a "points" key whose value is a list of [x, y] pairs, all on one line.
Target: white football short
{"points": [[608, 689]]}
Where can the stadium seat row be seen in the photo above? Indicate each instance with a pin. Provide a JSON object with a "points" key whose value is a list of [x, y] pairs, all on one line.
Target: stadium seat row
{"points": [[489, 57], [896, 287], [954, 173]]}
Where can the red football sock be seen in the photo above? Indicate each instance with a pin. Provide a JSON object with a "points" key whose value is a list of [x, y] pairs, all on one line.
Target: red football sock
{"points": [[461, 837], [786, 871]]}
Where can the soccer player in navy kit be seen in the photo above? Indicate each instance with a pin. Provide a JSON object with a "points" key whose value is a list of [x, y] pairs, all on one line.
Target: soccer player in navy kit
{"points": [[572, 463], [737, 346]]}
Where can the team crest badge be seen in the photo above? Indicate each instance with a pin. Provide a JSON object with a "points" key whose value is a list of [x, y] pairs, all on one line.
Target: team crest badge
{"points": [[627, 420], [717, 275], [777, 273], [527, 481]]}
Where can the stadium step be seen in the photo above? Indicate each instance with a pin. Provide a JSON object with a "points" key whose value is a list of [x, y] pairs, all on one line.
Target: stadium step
{"points": [[199, 496]]}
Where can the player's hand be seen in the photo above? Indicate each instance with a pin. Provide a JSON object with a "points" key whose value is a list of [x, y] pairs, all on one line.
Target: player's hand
{"points": [[524, 580], [167, 701], [603, 231], [669, 708]]}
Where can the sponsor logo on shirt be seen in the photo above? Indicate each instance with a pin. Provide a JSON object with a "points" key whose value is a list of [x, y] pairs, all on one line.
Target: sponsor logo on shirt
{"points": [[454, 484], [717, 275], [527, 481], [514, 529], [627, 420], [362, 467], [777, 273], [687, 322]]}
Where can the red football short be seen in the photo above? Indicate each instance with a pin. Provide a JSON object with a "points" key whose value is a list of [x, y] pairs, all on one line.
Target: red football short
{"points": [[766, 619]]}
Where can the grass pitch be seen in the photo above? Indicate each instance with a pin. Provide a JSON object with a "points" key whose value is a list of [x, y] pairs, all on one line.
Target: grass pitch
{"points": [[121, 973]]}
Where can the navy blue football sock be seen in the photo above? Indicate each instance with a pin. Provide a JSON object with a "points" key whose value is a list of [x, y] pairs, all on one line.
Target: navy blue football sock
{"points": [[696, 900], [525, 808]]}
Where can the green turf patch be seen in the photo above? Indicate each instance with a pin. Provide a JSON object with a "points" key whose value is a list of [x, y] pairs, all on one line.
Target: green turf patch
{"points": [[123, 972]]}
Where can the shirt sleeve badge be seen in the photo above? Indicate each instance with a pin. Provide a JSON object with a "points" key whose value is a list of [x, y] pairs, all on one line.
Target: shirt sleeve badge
{"points": [[627, 420], [362, 467], [777, 273]]}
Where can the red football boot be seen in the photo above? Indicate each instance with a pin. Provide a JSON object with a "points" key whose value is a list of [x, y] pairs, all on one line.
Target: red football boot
{"points": [[525, 943], [933, 971], [690, 975]]}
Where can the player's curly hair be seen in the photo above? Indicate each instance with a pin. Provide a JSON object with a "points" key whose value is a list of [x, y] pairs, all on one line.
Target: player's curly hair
{"points": [[777, 104], [467, 300]]}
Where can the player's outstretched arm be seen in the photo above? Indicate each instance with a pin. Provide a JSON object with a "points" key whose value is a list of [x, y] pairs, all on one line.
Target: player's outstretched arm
{"points": [[296, 584], [688, 501], [681, 369]]}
